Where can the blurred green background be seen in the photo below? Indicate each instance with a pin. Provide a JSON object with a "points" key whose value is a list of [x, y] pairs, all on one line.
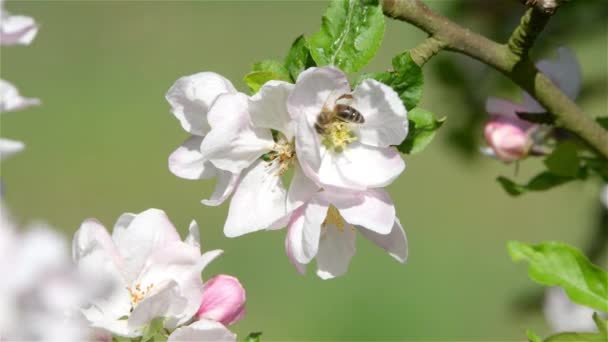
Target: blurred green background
{"points": [[98, 147]]}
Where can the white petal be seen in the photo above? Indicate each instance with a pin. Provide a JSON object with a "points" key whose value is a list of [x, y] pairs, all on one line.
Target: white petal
{"points": [[336, 248], [187, 161], [372, 209], [301, 189], [191, 96], [308, 147], [146, 232], [16, 29], [194, 235], [300, 267], [233, 143], [395, 243], [11, 100], [314, 88], [10, 147], [268, 108], [305, 230], [563, 315], [226, 182], [258, 201], [163, 302], [361, 166], [202, 331], [385, 115]]}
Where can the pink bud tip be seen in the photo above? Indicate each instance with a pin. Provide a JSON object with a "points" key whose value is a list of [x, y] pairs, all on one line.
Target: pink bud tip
{"points": [[223, 300], [509, 142]]}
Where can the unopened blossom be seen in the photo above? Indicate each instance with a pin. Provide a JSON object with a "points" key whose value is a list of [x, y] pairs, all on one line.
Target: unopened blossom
{"points": [[563, 315], [510, 138], [41, 291], [11, 100], [223, 300], [343, 153], [16, 29], [325, 228], [156, 273]]}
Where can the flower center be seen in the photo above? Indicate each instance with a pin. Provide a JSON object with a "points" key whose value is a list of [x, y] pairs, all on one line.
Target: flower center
{"points": [[283, 153], [337, 135], [138, 293]]}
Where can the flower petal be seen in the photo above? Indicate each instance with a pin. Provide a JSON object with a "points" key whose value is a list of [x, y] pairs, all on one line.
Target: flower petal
{"points": [[187, 161], [223, 300], [226, 182], [305, 230], [308, 148], [191, 97], [372, 209], [194, 235], [336, 248], [300, 267], [16, 29], [301, 189], [258, 201], [385, 115], [202, 331], [165, 301], [233, 143], [11, 100], [10, 147], [268, 108], [395, 243], [314, 88]]}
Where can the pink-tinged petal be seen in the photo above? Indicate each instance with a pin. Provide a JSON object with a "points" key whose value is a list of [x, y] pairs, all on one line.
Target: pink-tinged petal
{"points": [[336, 248], [16, 29], [301, 189], [164, 301], [11, 100], [394, 243], [300, 267], [308, 148], [500, 108], [192, 96], [372, 209], [194, 236], [268, 108], [361, 167], [305, 230], [508, 141], [10, 147], [226, 182], [385, 115], [146, 232], [223, 300], [233, 144], [202, 331], [314, 88], [188, 162], [258, 201]]}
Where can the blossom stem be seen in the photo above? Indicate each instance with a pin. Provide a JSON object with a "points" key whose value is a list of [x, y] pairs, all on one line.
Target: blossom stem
{"points": [[516, 66]]}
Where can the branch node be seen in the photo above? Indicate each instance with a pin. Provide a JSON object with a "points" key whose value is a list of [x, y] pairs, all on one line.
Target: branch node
{"points": [[427, 49], [524, 35]]}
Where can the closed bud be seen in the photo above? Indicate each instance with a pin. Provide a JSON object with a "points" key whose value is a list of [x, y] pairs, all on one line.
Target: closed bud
{"points": [[508, 141], [223, 300]]}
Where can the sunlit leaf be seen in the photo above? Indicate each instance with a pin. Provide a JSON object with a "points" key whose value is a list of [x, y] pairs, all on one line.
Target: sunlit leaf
{"points": [[299, 58], [265, 71], [422, 128]]}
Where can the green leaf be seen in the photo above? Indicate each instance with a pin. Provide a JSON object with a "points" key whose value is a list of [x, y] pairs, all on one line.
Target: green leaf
{"points": [[542, 181], [563, 161], [153, 329], [603, 121], [254, 337], [120, 339], [577, 337], [350, 35], [422, 128], [299, 58], [602, 324], [406, 79], [265, 71], [532, 337], [558, 264]]}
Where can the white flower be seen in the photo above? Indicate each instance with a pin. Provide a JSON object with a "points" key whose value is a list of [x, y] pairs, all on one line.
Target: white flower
{"points": [[565, 316], [41, 291], [11, 100], [325, 228], [347, 155], [203, 330], [156, 274], [16, 29]]}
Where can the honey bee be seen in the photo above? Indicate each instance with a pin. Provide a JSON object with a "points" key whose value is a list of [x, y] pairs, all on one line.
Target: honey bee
{"points": [[340, 111]]}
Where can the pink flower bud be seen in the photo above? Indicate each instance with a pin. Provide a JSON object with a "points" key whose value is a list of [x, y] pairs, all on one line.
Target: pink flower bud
{"points": [[223, 300], [508, 141]]}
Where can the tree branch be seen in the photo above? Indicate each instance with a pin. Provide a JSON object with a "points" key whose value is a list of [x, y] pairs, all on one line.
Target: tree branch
{"points": [[516, 66], [522, 39], [426, 50]]}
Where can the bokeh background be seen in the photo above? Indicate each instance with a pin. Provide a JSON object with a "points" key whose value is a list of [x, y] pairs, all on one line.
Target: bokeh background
{"points": [[98, 147]]}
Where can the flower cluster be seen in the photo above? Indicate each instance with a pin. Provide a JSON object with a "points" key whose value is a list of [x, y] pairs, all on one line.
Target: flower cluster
{"points": [[510, 138], [14, 30], [156, 276], [334, 143]]}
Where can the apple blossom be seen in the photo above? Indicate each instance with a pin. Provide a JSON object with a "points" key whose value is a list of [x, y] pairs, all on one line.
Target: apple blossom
{"points": [[508, 141], [223, 300], [344, 154], [156, 273], [325, 228], [11, 100], [565, 316], [16, 29]]}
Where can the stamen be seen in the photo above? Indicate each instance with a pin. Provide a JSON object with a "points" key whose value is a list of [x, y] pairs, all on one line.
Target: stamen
{"points": [[337, 136], [137, 294]]}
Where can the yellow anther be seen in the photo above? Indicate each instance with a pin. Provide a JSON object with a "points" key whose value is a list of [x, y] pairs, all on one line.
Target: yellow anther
{"points": [[338, 135], [137, 294]]}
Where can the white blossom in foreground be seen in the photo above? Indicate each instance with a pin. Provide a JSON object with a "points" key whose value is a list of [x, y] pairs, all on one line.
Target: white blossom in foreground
{"points": [[156, 273], [16, 29], [325, 228], [565, 316], [41, 291], [11, 100], [342, 153], [510, 138]]}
